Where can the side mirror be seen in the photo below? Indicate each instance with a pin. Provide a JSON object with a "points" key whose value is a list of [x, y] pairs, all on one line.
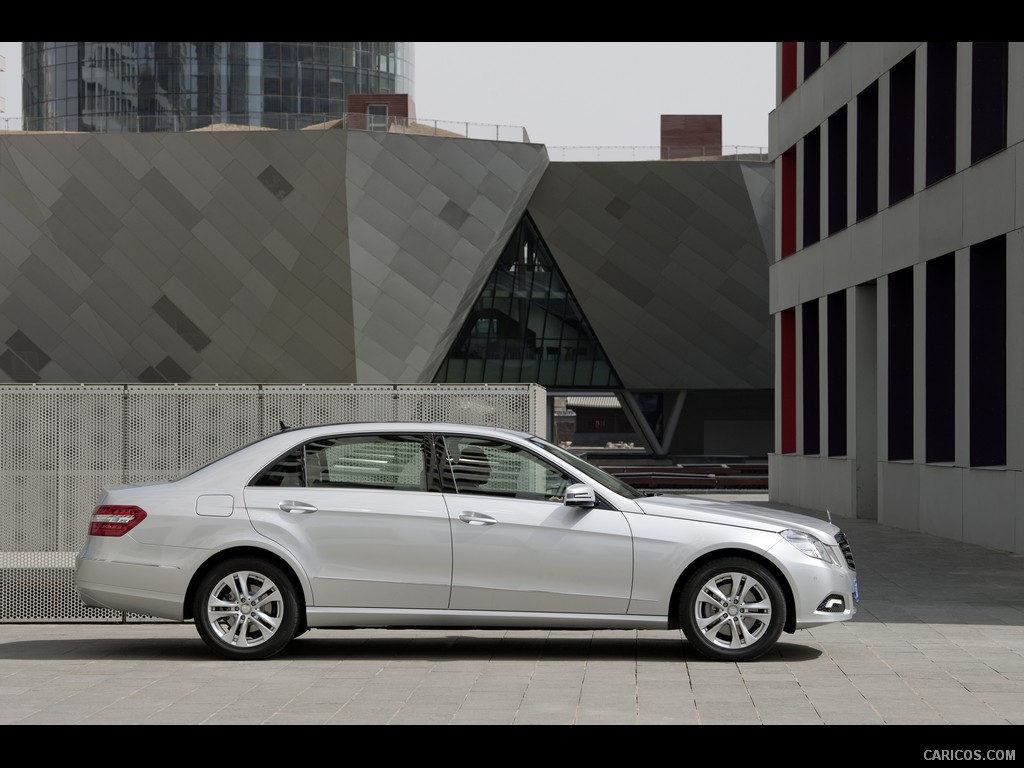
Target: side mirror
{"points": [[580, 495]]}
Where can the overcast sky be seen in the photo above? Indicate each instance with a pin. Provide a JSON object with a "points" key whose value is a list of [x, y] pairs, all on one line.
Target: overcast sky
{"points": [[599, 94], [576, 94], [10, 82]]}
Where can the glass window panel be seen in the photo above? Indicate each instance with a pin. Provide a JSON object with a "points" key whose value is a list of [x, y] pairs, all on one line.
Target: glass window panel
{"points": [[500, 469], [392, 462], [526, 325]]}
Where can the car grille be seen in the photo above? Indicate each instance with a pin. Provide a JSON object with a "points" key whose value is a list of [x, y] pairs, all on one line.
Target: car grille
{"points": [[844, 547]]}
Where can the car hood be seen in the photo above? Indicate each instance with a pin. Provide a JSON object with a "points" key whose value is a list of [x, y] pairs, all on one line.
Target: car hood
{"points": [[732, 513]]}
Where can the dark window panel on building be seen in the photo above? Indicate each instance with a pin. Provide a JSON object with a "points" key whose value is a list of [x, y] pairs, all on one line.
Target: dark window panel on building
{"points": [[837, 173], [812, 187], [989, 62], [902, 80], [901, 365], [787, 201], [526, 326], [836, 367], [787, 382], [811, 377], [940, 115], [867, 152], [812, 58], [988, 353], [940, 360]]}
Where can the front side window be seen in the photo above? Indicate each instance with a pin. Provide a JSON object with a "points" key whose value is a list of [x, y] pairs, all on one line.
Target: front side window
{"points": [[387, 462], [599, 476], [477, 465]]}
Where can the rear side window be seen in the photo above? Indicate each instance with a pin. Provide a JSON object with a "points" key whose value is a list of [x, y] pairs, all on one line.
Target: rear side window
{"points": [[387, 462], [286, 472]]}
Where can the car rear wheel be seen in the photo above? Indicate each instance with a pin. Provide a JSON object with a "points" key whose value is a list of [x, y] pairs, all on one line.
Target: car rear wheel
{"points": [[732, 609], [247, 609]]}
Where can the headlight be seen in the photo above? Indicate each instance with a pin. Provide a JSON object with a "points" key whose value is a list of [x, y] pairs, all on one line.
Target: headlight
{"points": [[810, 546]]}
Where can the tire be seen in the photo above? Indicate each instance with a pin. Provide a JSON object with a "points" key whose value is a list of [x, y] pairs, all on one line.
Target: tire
{"points": [[732, 609], [247, 608]]}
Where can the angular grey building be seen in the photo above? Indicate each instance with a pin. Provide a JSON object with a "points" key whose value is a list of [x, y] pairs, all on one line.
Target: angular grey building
{"points": [[342, 256], [181, 86]]}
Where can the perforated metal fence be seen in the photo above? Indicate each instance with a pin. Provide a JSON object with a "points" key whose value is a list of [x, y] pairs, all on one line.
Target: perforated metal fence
{"points": [[61, 445]]}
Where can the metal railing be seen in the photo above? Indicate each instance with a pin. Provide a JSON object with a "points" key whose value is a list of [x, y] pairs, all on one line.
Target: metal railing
{"points": [[358, 121], [624, 154], [284, 121]]}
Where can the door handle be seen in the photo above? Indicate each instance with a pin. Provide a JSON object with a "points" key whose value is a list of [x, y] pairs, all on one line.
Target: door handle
{"points": [[477, 518], [297, 507]]}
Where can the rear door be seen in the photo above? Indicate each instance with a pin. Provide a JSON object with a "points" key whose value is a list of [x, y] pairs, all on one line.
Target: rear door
{"points": [[365, 517]]}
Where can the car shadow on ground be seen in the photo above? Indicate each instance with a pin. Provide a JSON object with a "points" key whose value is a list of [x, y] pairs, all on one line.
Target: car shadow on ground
{"points": [[332, 646]]}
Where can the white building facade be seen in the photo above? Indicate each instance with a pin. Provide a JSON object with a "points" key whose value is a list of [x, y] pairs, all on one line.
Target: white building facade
{"points": [[899, 373]]}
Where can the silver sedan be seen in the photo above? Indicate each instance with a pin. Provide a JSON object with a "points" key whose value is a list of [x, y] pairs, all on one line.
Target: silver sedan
{"points": [[451, 526]]}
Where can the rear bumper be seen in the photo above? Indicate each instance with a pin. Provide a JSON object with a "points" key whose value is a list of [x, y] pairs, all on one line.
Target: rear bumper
{"points": [[144, 590]]}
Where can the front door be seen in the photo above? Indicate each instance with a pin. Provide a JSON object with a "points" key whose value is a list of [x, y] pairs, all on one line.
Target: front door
{"points": [[517, 547]]}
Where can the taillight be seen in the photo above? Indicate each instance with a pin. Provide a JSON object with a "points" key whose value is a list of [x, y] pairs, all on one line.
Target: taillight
{"points": [[111, 520]]}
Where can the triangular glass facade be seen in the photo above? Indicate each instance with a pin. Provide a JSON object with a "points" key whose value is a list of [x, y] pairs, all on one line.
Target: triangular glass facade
{"points": [[526, 327]]}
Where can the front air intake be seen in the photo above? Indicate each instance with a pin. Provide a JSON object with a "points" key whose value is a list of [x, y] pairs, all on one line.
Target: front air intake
{"points": [[832, 604]]}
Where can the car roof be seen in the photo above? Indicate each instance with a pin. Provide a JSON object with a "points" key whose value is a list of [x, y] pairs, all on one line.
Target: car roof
{"points": [[407, 426]]}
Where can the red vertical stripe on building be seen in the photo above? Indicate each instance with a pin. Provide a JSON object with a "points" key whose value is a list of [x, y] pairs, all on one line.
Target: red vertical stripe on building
{"points": [[788, 69], [788, 202], [788, 383]]}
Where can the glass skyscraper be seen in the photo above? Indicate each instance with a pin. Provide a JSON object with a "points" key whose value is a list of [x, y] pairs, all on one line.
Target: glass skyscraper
{"points": [[159, 86]]}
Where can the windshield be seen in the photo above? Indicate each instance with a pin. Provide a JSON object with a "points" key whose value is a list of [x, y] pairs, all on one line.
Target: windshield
{"points": [[599, 476]]}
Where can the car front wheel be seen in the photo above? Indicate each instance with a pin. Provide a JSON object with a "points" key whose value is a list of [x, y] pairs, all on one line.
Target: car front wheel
{"points": [[732, 609], [246, 609]]}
